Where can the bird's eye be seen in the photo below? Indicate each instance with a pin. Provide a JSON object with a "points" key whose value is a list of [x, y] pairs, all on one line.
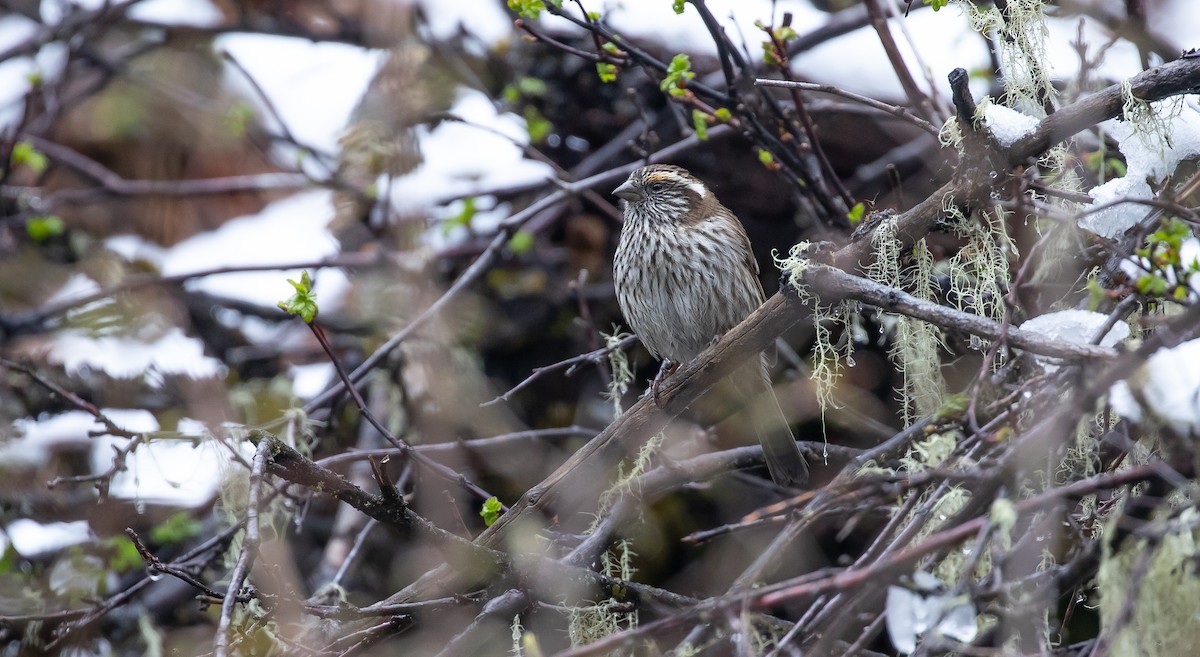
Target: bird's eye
{"points": [[656, 187]]}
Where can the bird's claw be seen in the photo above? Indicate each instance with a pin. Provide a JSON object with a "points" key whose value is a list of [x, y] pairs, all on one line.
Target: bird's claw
{"points": [[665, 370]]}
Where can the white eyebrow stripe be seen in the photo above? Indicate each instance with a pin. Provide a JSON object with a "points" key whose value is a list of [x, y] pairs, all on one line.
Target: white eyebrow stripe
{"points": [[699, 188]]}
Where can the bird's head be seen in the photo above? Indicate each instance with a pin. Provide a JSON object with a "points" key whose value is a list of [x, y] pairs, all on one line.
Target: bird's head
{"points": [[663, 191]]}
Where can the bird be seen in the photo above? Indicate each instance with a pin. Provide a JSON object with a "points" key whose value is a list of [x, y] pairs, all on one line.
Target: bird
{"points": [[685, 274]]}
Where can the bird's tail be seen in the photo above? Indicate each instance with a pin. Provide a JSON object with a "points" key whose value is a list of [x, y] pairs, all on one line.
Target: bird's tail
{"points": [[784, 460]]}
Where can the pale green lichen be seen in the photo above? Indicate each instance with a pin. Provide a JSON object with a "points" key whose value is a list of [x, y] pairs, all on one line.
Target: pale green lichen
{"points": [[626, 482], [827, 354], [589, 622], [917, 347], [929, 452], [517, 634], [886, 245], [1164, 614], [618, 363], [1003, 516], [935, 451], [916, 344], [953, 565], [1021, 46], [950, 135], [1151, 123], [979, 271], [793, 265]]}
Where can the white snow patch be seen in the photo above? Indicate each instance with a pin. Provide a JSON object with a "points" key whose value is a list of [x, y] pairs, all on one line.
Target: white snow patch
{"points": [[1077, 326], [31, 538], [186, 469], [77, 286], [196, 13], [482, 18], [656, 21], [1166, 387], [1149, 155], [135, 247], [308, 381], [927, 612], [183, 467], [15, 73], [33, 439], [857, 61], [313, 86], [122, 356], [463, 158], [1112, 221], [291, 230], [1007, 125]]}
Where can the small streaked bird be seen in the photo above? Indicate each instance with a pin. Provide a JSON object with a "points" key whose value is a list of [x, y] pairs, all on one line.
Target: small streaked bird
{"points": [[685, 274]]}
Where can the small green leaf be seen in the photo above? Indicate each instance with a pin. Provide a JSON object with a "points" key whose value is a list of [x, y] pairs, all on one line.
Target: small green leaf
{"points": [[529, 9], [538, 126], [521, 242], [765, 157], [593, 16], [937, 4], [531, 86], [700, 123], [463, 218], [606, 71], [34, 78], [239, 116], [491, 511], [771, 54], [1096, 294], [303, 302], [723, 114], [953, 405], [856, 213], [679, 71], [677, 6], [9, 560], [24, 153], [43, 228], [125, 556], [1152, 285], [176, 529]]}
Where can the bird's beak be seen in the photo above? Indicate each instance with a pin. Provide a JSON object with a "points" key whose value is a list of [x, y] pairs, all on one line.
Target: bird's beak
{"points": [[627, 191]]}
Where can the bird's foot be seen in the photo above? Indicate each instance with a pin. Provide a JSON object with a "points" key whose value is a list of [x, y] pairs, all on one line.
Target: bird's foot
{"points": [[665, 370]]}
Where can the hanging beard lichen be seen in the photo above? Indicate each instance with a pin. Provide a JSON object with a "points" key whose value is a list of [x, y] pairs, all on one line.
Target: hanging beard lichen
{"points": [[590, 622], [1021, 48], [1162, 614], [978, 271], [916, 344], [827, 354]]}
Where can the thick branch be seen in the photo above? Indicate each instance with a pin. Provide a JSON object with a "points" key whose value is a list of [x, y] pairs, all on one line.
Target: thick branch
{"points": [[831, 283], [1181, 76]]}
